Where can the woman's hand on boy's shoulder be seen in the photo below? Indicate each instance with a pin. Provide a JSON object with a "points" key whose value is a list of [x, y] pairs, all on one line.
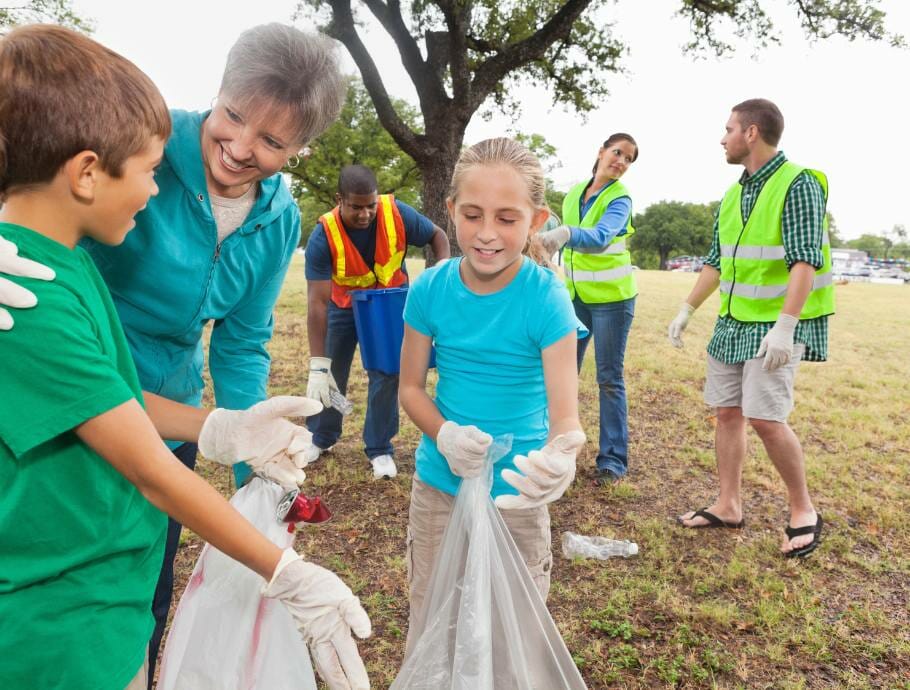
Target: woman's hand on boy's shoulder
{"points": [[12, 294]]}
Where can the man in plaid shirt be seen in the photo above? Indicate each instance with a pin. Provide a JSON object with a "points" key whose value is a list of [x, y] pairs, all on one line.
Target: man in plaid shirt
{"points": [[770, 259]]}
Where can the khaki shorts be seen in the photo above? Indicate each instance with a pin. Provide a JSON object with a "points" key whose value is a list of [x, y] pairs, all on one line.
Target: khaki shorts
{"points": [[427, 520], [762, 394]]}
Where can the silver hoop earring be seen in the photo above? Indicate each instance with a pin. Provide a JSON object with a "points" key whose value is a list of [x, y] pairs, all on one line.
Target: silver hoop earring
{"points": [[293, 162]]}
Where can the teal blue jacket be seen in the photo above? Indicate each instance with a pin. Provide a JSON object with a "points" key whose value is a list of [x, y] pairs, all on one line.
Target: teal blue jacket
{"points": [[171, 277]]}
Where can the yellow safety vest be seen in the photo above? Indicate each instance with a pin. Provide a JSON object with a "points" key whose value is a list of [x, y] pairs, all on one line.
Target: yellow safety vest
{"points": [[753, 270], [601, 275]]}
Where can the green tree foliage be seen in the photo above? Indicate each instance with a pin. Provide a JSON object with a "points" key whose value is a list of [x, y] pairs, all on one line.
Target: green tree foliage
{"points": [[834, 237], [35, 11], [466, 55], [882, 246], [670, 228], [356, 137], [715, 22]]}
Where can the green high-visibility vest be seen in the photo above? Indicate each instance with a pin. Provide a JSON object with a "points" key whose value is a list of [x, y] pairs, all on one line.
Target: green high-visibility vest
{"points": [[753, 270], [598, 275]]}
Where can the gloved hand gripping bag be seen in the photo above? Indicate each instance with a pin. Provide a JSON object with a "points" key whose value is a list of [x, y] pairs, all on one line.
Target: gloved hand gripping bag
{"points": [[486, 626], [225, 634]]}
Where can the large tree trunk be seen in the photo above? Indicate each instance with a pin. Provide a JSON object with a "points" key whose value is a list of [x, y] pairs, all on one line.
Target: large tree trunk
{"points": [[436, 179], [436, 170]]}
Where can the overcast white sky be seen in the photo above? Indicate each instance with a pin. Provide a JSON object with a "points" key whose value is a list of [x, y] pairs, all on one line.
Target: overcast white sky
{"points": [[845, 104]]}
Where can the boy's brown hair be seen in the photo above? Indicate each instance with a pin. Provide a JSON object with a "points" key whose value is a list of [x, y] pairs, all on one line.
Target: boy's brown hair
{"points": [[62, 93]]}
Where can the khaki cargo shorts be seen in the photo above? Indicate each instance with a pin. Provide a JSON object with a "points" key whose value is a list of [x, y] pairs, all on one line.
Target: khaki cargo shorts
{"points": [[762, 394]]}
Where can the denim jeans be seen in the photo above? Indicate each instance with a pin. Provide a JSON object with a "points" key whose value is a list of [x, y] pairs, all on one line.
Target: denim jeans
{"points": [[608, 324], [382, 393], [164, 590]]}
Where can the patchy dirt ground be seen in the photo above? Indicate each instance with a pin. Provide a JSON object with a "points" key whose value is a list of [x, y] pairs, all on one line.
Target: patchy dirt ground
{"points": [[696, 608]]}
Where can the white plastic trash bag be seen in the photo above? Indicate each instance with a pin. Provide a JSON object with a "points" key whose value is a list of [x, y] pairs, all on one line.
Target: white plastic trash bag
{"points": [[225, 634], [486, 626]]}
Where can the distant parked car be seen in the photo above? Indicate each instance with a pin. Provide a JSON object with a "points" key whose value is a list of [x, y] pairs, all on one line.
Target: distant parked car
{"points": [[686, 263]]}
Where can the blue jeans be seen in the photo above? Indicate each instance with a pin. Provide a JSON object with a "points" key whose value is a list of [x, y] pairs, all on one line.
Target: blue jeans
{"points": [[382, 394], [164, 590], [608, 324]]}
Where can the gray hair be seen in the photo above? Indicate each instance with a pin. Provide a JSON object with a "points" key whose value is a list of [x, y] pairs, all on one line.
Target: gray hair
{"points": [[503, 151], [280, 65]]}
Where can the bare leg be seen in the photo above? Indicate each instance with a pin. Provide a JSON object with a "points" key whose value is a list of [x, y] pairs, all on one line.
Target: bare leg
{"points": [[730, 448], [786, 453]]}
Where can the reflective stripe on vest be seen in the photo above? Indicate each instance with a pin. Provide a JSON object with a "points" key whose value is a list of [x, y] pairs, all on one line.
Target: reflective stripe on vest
{"points": [[332, 222], [770, 291], [753, 270], [609, 274], [350, 271], [617, 247], [727, 251], [393, 226], [603, 274]]}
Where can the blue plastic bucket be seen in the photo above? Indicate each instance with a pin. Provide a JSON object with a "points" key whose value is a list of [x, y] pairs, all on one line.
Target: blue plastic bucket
{"points": [[379, 319]]}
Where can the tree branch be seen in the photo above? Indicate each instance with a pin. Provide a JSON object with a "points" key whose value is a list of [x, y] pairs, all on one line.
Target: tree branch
{"points": [[494, 69], [458, 21], [342, 27], [427, 82]]}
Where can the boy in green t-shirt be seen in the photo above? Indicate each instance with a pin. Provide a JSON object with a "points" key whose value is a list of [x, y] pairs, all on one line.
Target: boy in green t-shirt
{"points": [[84, 473]]}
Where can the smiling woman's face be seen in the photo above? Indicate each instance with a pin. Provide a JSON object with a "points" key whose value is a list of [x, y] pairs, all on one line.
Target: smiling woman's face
{"points": [[242, 145], [615, 159]]}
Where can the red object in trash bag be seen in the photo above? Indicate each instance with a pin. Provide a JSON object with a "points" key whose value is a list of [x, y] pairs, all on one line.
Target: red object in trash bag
{"points": [[296, 507]]}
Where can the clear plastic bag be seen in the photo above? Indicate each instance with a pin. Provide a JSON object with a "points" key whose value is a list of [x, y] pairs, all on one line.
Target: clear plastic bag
{"points": [[225, 634], [486, 626]]}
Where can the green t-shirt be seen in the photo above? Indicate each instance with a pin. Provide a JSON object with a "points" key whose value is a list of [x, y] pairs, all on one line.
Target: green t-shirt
{"points": [[80, 547]]}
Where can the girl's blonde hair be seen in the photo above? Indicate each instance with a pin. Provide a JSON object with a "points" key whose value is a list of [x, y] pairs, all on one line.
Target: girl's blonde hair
{"points": [[505, 151]]}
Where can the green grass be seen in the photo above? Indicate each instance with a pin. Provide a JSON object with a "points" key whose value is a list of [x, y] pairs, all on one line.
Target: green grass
{"points": [[695, 609]]}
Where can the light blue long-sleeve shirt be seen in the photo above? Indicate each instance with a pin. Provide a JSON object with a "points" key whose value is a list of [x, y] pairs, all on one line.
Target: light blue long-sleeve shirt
{"points": [[170, 277], [612, 223]]}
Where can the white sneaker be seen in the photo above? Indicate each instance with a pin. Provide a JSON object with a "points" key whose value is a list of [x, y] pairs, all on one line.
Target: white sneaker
{"points": [[311, 453], [383, 467], [314, 452]]}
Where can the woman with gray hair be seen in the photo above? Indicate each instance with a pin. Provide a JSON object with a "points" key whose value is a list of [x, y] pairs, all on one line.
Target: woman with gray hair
{"points": [[216, 242]]}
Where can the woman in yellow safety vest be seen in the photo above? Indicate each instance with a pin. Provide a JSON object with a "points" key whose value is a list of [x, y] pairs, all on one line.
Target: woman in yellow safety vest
{"points": [[598, 222]]}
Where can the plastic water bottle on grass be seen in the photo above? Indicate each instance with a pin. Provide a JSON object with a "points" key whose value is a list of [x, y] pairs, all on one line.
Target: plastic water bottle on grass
{"points": [[596, 547]]}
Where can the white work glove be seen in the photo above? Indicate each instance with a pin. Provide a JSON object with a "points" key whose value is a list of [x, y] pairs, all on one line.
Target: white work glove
{"points": [[326, 612], [777, 345], [554, 240], [321, 383], [463, 447], [12, 294], [262, 438], [678, 325], [546, 473]]}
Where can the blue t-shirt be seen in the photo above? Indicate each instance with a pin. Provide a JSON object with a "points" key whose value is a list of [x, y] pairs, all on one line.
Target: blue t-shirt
{"points": [[488, 356], [418, 231]]}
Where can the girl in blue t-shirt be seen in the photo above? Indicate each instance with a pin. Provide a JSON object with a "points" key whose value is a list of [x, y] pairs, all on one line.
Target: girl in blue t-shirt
{"points": [[505, 335]]}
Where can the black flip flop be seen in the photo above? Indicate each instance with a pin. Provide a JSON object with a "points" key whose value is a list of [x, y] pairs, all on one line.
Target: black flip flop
{"points": [[816, 532], [713, 521]]}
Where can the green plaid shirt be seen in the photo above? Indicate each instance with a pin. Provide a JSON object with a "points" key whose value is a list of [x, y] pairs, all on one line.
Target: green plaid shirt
{"points": [[802, 227]]}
